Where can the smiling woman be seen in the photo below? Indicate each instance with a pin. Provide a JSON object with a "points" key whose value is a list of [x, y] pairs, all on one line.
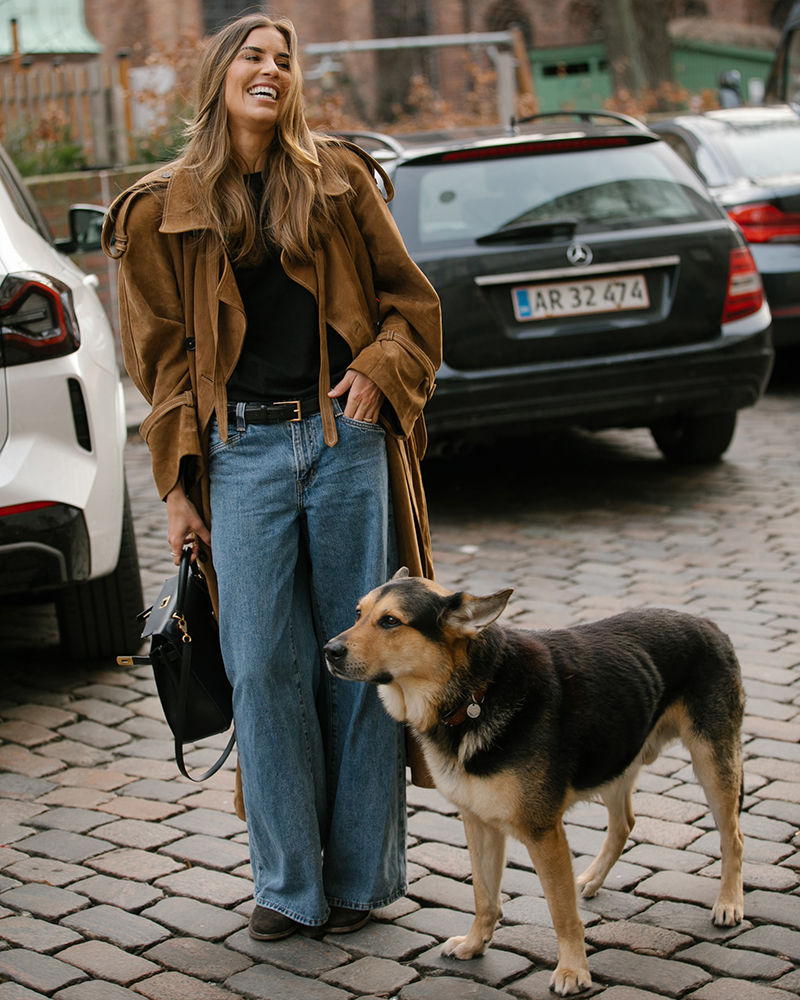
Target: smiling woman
{"points": [[287, 343], [256, 85]]}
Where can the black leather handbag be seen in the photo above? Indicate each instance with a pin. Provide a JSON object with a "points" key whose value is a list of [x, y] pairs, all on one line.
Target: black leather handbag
{"points": [[193, 687]]}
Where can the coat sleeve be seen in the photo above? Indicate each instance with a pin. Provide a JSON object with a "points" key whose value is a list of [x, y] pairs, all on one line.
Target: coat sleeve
{"points": [[153, 333], [407, 350]]}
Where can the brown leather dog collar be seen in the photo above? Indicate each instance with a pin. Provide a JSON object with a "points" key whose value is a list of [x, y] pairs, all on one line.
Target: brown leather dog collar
{"points": [[471, 710]]}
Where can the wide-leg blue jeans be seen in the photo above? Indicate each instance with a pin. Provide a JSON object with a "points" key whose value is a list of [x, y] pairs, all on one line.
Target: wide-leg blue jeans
{"points": [[300, 532]]}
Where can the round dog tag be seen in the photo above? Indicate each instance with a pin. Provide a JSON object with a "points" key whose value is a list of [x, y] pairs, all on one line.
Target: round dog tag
{"points": [[473, 710]]}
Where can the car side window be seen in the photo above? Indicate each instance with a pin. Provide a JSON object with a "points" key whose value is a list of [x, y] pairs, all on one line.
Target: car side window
{"points": [[708, 168], [699, 159], [26, 208], [681, 147]]}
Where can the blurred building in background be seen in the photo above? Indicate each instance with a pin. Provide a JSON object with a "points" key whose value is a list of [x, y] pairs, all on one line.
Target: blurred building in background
{"points": [[104, 82]]}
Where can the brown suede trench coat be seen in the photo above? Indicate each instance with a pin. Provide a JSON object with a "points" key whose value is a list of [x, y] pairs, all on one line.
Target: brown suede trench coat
{"points": [[183, 326]]}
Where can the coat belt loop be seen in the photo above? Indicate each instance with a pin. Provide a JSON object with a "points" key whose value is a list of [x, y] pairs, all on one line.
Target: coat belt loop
{"points": [[221, 407], [325, 405]]}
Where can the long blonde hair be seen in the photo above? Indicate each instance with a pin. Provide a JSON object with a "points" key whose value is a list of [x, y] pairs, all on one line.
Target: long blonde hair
{"points": [[295, 209]]}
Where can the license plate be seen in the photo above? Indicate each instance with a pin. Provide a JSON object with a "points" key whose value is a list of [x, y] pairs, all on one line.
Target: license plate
{"points": [[579, 298]]}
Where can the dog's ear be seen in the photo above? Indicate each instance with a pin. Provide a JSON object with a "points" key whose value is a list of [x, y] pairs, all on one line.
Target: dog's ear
{"points": [[470, 615], [401, 574]]}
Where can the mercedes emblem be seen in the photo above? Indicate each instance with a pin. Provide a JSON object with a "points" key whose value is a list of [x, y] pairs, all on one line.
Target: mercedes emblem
{"points": [[579, 254]]}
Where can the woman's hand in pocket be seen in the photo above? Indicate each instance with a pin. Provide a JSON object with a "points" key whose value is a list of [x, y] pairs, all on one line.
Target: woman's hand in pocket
{"points": [[364, 398]]}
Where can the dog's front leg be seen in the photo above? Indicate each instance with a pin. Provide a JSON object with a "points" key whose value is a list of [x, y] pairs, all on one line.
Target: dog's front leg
{"points": [[487, 852], [552, 860]]}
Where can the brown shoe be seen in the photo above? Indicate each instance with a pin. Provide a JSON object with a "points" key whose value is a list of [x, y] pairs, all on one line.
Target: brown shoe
{"points": [[269, 925], [343, 921]]}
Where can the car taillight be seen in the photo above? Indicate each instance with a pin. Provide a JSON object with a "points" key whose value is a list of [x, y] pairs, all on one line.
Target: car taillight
{"points": [[763, 221], [37, 319], [745, 293], [24, 508]]}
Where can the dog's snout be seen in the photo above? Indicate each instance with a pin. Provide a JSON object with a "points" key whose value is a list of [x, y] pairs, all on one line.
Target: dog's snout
{"points": [[335, 650]]}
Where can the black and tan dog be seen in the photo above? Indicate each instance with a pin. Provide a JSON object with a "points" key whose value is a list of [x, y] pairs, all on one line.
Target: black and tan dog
{"points": [[518, 725]]}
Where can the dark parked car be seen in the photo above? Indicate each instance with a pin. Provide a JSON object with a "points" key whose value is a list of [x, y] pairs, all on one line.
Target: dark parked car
{"points": [[587, 277], [750, 160]]}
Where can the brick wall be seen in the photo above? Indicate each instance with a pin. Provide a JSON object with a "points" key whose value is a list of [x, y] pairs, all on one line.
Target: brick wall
{"points": [[140, 26], [156, 28]]}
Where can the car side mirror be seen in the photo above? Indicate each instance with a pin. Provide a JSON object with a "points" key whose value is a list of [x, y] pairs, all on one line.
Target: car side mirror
{"points": [[85, 227]]}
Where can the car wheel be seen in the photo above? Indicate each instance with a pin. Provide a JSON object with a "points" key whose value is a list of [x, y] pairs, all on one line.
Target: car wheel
{"points": [[98, 618], [694, 439]]}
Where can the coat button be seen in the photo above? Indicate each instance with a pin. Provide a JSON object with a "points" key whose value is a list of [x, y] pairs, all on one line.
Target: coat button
{"points": [[189, 343]]}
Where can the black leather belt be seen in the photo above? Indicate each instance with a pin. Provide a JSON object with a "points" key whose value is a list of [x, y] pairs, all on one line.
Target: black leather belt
{"points": [[275, 413]]}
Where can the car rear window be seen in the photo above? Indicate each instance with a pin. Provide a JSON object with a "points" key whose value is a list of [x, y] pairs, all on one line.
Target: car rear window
{"points": [[765, 149], [601, 189]]}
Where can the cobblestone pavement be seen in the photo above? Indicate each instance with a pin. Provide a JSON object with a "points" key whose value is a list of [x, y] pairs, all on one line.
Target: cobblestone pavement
{"points": [[119, 879]]}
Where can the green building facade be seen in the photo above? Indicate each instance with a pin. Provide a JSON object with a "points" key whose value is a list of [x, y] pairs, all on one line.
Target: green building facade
{"points": [[579, 77]]}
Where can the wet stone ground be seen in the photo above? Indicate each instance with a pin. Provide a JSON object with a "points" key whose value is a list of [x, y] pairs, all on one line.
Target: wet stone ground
{"points": [[120, 879]]}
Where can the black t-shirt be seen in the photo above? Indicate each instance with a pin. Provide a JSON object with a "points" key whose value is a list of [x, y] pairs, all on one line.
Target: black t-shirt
{"points": [[280, 358]]}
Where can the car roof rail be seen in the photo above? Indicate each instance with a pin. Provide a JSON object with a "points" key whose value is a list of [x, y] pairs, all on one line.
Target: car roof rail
{"points": [[387, 141], [584, 116]]}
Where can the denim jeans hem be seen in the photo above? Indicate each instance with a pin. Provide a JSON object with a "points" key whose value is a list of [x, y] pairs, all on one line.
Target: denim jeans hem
{"points": [[350, 904]]}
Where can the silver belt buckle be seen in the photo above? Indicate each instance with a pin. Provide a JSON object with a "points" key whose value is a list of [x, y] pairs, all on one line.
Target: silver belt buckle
{"points": [[296, 404]]}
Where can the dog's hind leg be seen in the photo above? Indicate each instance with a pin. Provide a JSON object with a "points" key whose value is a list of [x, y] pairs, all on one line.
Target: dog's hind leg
{"points": [[719, 770], [487, 852], [618, 799], [552, 860]]}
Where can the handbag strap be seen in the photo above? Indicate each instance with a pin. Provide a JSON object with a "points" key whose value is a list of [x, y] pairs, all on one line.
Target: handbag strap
{"points": [[184, 570], [186, 671]]}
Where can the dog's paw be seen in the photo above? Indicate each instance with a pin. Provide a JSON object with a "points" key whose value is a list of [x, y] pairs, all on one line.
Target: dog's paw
{"points": [[565, 981], [588, 886], [727, 913], [463, 948]]}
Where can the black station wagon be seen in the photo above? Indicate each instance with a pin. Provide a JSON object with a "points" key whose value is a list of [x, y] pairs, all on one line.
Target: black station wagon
{"points": [[587, 277]]}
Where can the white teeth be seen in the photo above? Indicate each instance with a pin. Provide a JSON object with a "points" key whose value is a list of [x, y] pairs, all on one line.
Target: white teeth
{"points": [[264, 92]]}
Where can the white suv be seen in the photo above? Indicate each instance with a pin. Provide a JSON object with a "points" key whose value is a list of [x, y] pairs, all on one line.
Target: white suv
{"points": [[66, 532]]}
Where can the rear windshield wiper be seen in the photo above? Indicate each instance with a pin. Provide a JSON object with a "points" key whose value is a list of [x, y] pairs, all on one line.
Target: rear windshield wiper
{"points": [[515, 231]]}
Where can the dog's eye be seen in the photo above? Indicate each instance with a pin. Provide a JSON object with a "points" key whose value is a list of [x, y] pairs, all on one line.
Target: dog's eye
{"points": [[389, 621], [358, 613]]}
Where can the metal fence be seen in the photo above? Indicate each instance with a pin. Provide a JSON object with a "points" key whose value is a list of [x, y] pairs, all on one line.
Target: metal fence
{"points": [[91, 98]]}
